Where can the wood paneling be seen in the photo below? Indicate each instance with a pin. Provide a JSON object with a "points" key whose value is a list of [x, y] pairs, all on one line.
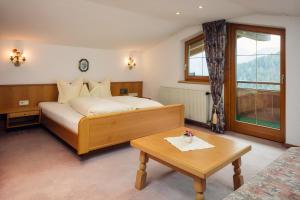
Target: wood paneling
{"points": [[35, 93], [133, 87], [12, 94]]}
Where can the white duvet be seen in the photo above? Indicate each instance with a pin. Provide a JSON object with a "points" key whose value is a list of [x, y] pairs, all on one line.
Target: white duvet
{"points": [[94, 105], [89, 106], [135, 102]]}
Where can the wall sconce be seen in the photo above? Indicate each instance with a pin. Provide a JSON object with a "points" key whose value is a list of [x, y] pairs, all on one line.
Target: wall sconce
{"points": [[17, 58], [131, 63]]}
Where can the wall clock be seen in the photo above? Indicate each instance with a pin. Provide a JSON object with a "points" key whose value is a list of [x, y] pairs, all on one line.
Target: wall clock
{"points": [[83, 65]]}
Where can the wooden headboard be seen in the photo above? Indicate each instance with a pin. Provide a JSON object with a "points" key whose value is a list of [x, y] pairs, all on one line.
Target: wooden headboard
{"points": [[10, 95]]}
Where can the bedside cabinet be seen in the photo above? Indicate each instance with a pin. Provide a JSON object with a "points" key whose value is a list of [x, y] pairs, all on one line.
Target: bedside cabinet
{"points": [[17, 118]]}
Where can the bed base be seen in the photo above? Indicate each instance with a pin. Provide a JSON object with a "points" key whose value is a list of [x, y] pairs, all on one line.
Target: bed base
{"points": [[96, 132], [65, 134]]}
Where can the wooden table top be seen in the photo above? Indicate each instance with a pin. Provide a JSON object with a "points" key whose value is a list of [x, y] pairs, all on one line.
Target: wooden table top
{"points": [[19, 109], [201, 163]]}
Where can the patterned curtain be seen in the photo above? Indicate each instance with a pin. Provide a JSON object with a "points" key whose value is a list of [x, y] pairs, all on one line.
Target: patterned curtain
{"points": [[214, 43]]}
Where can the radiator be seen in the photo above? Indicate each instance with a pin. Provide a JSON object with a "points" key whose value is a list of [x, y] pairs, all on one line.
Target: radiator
{"points": [[196, 102]]}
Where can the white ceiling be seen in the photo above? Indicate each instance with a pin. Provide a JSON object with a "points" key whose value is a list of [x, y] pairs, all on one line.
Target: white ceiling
{"points": [[121, 24]]}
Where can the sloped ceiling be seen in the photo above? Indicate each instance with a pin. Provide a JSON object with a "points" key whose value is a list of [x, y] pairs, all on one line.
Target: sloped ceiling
{"points": [[120, 24]]}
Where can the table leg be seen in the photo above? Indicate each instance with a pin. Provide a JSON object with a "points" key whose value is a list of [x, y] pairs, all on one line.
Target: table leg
{"points": [[238, 179], [199, 186], [141, 174]]}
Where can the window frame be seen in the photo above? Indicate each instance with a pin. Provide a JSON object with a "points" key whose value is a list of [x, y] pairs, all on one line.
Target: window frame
{"points": [[187, 77], [230, 85]]}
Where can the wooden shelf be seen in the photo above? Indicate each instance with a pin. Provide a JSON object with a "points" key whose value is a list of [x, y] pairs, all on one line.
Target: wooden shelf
{"points": [[23, 118], [194, 82], [19, 109]]}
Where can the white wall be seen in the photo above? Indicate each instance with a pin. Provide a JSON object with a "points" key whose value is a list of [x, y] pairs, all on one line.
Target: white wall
{"points": [[47, 63], [164, 65]]}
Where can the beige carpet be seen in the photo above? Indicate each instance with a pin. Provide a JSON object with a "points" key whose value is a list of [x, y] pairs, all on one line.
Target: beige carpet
{"points": [[36, 165]]}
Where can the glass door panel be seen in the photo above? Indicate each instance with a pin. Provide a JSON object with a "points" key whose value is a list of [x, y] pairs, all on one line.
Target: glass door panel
{"points": [[268, 109], [257, 78]]}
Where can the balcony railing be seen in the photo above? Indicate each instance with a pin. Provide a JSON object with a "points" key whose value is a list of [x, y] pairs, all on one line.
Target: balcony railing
{"points": [[258, 106]]}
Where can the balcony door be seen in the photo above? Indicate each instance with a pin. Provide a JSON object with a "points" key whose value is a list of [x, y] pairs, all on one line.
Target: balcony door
{"points": [[257, 81]]}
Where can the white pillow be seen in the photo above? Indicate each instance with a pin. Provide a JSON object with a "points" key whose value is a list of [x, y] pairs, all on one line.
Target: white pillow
{"points": [[100, 89], [68, 91], [84, 92]]}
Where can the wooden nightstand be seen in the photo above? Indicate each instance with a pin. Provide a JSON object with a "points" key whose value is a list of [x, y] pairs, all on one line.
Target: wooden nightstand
{"points": [[23, 117]]}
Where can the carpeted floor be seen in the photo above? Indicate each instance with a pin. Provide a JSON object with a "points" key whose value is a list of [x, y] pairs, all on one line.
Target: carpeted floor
{"points": [[36, 165]]}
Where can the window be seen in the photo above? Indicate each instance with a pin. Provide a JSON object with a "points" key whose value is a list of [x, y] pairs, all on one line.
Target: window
{"points": [[195, 60], [258, 60]]}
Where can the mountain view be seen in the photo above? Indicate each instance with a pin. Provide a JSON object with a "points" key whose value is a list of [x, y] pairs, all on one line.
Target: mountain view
{"points": [[267, 68]]}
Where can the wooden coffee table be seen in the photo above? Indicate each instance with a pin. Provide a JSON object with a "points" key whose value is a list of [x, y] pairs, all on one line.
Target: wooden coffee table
{"points": [[198, 164]]}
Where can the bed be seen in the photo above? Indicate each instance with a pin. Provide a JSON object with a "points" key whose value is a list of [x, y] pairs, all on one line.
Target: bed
{"points": [[86, 133]]}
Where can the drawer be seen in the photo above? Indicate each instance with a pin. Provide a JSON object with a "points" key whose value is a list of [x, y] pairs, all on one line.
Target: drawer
{"points": [[22, 114]]}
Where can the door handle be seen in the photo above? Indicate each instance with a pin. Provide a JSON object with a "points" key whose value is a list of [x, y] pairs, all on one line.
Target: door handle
{"points": [[282, 78]]}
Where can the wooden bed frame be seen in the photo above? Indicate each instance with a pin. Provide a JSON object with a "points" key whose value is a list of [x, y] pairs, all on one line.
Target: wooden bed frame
{"points": [[100, 131]]}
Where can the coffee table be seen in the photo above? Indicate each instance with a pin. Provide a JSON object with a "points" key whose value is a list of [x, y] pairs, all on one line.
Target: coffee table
{"points": [[198, 164]]}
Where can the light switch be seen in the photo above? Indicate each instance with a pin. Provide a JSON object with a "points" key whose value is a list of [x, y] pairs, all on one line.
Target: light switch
{"points": [[24, 102]]}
